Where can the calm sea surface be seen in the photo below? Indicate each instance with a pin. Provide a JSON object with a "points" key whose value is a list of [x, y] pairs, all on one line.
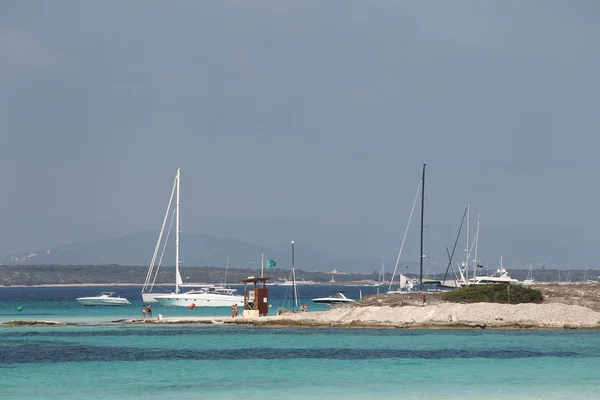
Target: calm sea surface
{"points": [[104, 360]]}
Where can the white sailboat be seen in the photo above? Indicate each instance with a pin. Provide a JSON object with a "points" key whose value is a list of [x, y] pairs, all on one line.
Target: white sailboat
{"points": [[203, 296], [406, 285], [529, 280], [199, 295], [405, 282], [148, 290], [381, 277]]}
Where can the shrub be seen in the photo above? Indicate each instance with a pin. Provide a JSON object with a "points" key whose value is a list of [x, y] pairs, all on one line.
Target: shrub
{"points": [[495, 293]]}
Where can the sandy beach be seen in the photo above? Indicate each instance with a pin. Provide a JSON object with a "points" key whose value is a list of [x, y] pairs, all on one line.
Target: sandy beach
{"points": [[445, 315], [439, 316]]}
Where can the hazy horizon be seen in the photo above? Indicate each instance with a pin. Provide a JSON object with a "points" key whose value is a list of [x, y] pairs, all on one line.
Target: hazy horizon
{"points": [[304, 120]]}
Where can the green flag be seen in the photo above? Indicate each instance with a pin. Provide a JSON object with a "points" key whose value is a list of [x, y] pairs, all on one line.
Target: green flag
{"points": [[271, 264]]}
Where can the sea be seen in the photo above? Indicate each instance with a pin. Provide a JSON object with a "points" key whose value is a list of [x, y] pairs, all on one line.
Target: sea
{"points": [[103, 359]]}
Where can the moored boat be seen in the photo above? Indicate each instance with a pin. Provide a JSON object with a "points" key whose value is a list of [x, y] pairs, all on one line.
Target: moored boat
{"points": [[104, 299], [335, 298], [203, 296]]}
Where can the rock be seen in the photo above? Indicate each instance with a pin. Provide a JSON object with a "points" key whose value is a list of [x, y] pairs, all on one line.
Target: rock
{"points": [[32, 323]]}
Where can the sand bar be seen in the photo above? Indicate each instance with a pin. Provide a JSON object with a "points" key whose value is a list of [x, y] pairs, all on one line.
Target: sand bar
{"points": [[438, 316]]}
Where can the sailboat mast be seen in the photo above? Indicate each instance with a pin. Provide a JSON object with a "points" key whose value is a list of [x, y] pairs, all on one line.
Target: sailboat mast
{"points": [[468, 255], [294, 288], [422, 216], [476, 248], [226, 269], [177, 274]]}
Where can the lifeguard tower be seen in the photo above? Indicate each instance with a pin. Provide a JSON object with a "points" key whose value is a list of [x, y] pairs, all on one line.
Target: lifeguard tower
{"points": [[256, 298]]}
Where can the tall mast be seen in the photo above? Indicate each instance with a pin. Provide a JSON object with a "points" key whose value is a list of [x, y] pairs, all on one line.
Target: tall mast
{"points": [[476, 248], [262, 265], [422, 216], [226, 269], [468, 253], [294, 288], [177, 274]]}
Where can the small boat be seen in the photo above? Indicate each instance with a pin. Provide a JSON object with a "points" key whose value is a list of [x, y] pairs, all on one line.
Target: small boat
{"points": [[104, 299], [335, 298]]}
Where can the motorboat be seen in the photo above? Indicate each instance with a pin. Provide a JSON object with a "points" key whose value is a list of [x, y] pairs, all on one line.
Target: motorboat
{"points": [[104, 299], [202, 296], [335, 298], [500, 276]]}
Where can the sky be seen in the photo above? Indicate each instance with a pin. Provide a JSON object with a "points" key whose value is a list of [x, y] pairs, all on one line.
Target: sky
{"points": [[304, 120]]}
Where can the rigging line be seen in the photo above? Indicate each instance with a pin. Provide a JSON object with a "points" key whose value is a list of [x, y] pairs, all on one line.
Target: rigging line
{"points": [[163, 249], [455, 243], [449, 262], [162, 230], [405, 233]]}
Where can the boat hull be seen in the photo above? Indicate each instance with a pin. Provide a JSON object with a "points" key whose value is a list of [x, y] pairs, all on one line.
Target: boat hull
{"points": [[150, 297], [91, 301], [327, 301], [332, 301], [200, 300]]}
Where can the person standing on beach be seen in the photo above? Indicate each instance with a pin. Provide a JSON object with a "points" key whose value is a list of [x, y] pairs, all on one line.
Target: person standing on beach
{"points": [[424, 300], [233, 311], [144, 312], [149, 308]]}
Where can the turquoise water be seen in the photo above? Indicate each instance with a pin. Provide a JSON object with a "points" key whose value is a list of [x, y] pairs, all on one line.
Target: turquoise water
{"points": [[195, 362], [222, 362]]}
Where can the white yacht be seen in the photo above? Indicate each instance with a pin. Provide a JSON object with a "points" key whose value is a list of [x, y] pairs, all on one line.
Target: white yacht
{"points": [[336, 297], [202, 296], [104, 299], [500, 276]]}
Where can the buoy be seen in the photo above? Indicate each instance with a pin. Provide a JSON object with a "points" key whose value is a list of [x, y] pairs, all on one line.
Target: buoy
{"points": [[270, 305], [192, 306], [20, 308]]}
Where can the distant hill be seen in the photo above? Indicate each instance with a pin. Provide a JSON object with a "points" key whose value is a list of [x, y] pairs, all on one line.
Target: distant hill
{"points": [[196, 250]]}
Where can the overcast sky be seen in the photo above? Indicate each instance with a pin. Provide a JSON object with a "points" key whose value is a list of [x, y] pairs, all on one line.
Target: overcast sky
{"points": [[315, 116]]}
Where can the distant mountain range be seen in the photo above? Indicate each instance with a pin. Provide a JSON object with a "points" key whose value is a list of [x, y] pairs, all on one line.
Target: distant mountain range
{"points": [[196, 250]]}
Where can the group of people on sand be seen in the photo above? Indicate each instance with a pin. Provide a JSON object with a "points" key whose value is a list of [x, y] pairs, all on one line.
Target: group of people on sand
{"points": [[146, 309], [234, 311]]}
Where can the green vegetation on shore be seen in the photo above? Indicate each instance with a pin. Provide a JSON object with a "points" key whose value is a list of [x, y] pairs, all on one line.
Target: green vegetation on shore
{"points": [[500, 293]]}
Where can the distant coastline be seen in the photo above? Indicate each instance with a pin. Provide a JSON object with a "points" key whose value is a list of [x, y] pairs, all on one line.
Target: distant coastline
{"points": [[72, 285], [102, 275]]}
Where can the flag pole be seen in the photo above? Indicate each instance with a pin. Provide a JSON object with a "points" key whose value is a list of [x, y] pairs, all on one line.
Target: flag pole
{"points": [[262, 265]]}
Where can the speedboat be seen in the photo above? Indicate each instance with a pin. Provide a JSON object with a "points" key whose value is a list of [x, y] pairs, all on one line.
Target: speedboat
{"points": [[335, 298], [104, 299], [206, 296]]}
